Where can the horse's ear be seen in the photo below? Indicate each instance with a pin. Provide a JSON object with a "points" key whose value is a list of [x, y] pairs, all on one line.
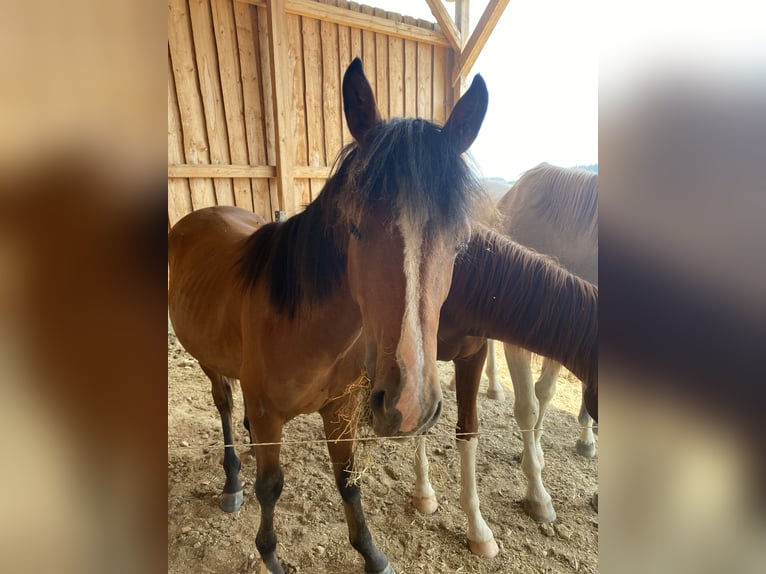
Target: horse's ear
{"points": [[359, 102], [464, 122]]}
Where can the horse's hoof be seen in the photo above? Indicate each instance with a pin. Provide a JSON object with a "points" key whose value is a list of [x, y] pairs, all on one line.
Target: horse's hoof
{"points": [[586, 449], [425, 504], [539, 511], [232, 501], [496, 394], [485, 549], [387, 570]]}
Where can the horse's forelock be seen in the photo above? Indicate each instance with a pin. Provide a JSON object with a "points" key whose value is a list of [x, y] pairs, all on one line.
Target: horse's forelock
{"points": [[408, 164]]}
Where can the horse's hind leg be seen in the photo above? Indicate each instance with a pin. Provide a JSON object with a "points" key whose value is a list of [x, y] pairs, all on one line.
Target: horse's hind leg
{"points": [[424, 496], [481, 541], [342, 457], [232, 496], [526, 408], [494, 389], [586, 444]]}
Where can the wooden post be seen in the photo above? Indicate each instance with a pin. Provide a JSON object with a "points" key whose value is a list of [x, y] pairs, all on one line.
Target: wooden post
{"points": [[282, 98], [463, 23]]}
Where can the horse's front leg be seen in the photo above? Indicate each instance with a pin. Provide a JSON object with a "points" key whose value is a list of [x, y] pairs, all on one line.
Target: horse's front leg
{"points": [[342, 457], [526, 408], [268, 486], [481, 541]]}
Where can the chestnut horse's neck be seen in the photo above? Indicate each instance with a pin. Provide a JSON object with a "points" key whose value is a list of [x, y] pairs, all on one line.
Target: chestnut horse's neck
{"points": [[504, 291]]}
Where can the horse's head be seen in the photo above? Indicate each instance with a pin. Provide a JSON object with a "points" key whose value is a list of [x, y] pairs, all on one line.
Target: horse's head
{"points": [[412, 194]]}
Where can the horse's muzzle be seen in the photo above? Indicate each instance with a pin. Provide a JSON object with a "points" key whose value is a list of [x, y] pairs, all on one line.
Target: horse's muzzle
{"points": [[387, 420]]}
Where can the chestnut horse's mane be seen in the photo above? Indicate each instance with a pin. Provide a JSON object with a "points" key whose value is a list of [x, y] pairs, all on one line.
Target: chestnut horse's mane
{"points": [[526, 299], [404, 164]]}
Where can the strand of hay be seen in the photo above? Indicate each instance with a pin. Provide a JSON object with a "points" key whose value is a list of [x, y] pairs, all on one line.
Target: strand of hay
{"points": [[355, 418]]}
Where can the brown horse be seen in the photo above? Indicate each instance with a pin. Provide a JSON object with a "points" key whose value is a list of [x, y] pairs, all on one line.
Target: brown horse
{"points": [[356, 281], [502, 290]]}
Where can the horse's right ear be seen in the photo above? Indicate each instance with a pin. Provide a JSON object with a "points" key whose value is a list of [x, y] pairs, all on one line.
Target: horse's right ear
{"points": [[359, 102]]}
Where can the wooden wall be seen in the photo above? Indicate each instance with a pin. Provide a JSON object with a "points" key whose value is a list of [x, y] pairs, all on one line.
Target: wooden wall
{"points": [[254, 94]]}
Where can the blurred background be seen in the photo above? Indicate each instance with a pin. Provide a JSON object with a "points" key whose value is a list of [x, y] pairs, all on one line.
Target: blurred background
{"points": [[83, 223]]}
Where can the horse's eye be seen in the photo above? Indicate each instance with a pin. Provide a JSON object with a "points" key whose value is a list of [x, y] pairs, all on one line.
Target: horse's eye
{"points": [[354, 230]]}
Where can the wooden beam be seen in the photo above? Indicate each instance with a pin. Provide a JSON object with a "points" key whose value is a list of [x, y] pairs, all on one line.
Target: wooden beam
{"points": [[480, 35], [447, 25], [311, 172], [282, 98], [245, 171], [360, 20], [223, 171]]}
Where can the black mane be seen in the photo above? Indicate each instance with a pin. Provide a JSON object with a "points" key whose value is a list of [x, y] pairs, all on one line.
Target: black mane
{"points": [[404, 164]]}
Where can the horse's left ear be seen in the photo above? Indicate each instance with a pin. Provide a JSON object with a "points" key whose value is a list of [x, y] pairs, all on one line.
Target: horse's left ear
{"points": [[464, 122], [359, 102]]}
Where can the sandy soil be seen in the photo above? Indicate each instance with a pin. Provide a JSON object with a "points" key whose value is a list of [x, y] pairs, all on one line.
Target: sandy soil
{"points": [[309, 518]]}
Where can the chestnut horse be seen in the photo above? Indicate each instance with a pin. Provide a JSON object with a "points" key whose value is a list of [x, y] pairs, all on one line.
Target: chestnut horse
{"points": [[356, 281], [553, 210], [505, 291]]}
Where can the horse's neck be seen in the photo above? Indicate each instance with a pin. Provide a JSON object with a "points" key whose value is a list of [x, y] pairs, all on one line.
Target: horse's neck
{"points": [[517, 297]]}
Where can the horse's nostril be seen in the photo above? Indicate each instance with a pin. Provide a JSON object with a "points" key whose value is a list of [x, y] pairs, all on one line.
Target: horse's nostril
{"points": [[376, 400], [438, 412]]}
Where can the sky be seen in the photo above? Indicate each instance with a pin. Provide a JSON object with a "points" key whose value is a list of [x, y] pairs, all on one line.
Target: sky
{"points": [[541, 69]]}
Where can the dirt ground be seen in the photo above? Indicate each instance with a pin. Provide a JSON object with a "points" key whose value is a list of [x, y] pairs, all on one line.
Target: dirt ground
{"points": [[309, 517]]}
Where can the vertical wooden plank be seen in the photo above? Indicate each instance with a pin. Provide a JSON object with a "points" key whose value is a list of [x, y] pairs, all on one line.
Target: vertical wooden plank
{"points": [[231, 87], [212, 98], [369, 59], [425, 81], [269, 114], [381, 70], [179, 194], [249, 58], [282, 101], [189, 99], [357, 51], [410, 73], [441, 89], [295, 73], [312, 56], [331, 99], [395, 73], [462, 21], [344, 59]]}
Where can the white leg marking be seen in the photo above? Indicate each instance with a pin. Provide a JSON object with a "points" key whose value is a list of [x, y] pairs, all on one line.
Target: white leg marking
{"points": [[586, 444], [526, 409], [424, 497], [480, 538], [545, 389], [495, 389]]}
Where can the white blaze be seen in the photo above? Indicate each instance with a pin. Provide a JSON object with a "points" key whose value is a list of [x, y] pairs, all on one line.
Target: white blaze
{"points": [[410, 350]]}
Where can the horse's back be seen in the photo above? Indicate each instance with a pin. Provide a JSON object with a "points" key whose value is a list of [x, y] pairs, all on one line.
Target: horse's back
{"points": [[554, 211], [204, 292]]}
